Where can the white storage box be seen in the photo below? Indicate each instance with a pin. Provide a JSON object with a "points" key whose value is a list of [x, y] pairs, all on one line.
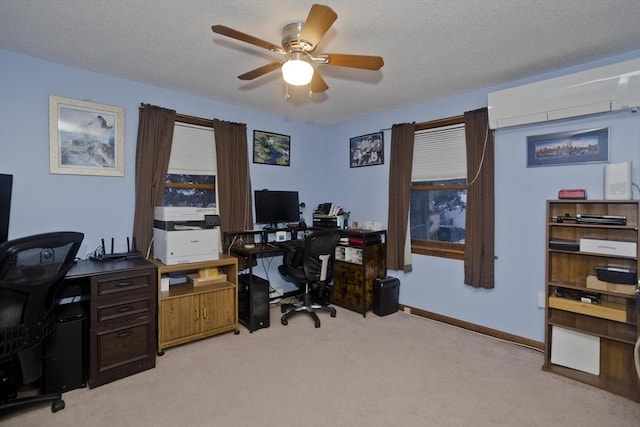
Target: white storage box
{"points": [[608, 247]]}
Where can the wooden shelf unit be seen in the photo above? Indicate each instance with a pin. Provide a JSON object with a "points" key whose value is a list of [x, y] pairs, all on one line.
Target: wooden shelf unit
{"points": [[187, 312], [356, 266], [615, 320]]}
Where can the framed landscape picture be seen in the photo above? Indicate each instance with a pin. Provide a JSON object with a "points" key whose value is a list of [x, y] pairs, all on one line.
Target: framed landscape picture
{"points": [[568, 148], [271, 148], [366, 150], [85, 138]]}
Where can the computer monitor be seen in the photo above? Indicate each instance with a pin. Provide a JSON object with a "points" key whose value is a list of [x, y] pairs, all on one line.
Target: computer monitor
{"points": [[274, 207], [6, 183]]}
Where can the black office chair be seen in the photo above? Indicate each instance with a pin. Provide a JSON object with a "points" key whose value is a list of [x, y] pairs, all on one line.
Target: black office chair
{"points": [[31, 270], [311, 269]]}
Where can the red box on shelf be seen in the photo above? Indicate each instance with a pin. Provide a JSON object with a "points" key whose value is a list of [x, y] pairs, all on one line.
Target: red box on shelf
{"points": [[578, 194]]}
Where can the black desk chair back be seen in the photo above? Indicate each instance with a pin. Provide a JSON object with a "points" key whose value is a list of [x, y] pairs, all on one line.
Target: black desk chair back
{"points": [[313, 270], [31, 270]]}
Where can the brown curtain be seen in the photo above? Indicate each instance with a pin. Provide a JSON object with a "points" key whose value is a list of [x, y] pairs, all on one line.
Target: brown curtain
{"points": [[234, 182], [480, 226], [402, 136], [155, 134]]}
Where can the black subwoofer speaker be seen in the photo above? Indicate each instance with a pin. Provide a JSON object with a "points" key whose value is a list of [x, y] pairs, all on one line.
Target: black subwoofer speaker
{"points": [[253, 302]]}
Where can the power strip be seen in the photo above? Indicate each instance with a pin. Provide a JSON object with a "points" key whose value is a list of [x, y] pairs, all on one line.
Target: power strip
{"points": [[275, 295]]}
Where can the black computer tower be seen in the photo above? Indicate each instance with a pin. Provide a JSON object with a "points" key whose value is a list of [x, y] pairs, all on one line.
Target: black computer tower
{"points": [[386, 291], [253, 302], [65, 354]]}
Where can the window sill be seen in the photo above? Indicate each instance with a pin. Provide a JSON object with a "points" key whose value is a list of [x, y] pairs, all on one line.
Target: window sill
{"points": [[439, 249]]}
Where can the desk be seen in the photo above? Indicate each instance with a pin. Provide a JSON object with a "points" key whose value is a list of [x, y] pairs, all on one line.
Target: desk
{"points": [[253, 293], [357, 264], [122, 315], [253, 296]]}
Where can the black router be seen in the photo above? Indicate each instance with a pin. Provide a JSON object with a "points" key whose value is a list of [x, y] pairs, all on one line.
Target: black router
{"points": [[131, 253]]}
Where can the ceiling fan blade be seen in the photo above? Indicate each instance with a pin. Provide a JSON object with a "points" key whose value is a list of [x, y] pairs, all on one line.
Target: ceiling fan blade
{"points": [[260, 71], [318, 21], [353, 61], [318, 84], [235, 34]]}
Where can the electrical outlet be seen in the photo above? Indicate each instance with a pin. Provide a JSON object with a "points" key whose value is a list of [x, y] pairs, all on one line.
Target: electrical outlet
{"points": [[541, 300], [407, 310]]}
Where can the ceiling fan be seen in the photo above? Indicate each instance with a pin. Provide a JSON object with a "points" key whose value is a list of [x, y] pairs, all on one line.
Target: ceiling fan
{"points": [[299, 40]]}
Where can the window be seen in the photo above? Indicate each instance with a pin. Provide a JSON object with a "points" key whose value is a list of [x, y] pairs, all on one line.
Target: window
{"points": [[439, 189], [191, 177]]}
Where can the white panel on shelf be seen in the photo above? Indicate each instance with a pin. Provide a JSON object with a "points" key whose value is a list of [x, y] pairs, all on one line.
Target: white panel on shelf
{"points": [[575, 350]]}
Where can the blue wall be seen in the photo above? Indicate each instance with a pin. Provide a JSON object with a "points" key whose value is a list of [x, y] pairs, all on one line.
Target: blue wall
{"points": [[102, 207]]}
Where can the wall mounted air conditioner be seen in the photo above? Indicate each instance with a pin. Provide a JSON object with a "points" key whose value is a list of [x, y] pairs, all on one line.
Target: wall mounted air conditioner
{"points": [[609, 88]]}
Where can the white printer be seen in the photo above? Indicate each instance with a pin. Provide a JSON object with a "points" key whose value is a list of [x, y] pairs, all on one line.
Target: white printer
{"points": [[185, 234]]}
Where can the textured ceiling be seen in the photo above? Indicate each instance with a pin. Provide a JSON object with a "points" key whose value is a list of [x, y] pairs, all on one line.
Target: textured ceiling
{"points": [[431, 48]]}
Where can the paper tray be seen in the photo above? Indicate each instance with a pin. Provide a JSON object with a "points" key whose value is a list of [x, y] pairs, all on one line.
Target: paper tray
{"points": [[196, 280]]}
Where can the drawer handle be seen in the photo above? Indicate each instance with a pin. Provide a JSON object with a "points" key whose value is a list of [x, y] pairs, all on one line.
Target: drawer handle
{"points": [[124, 334], [124, 284], [124, 309]]}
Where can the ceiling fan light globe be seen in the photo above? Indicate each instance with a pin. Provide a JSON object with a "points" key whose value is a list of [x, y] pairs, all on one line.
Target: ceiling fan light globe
{"points": [[297, 72]]}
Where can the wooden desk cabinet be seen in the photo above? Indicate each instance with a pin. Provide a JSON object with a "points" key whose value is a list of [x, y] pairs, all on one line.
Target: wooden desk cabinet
{"points": [[122, 326], [122, 335], [187, 312], [356, 266]]}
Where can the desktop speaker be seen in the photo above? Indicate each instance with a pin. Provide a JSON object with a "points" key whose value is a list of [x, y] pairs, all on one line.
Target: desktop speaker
{"points": [[617, 181], [253, 302]]}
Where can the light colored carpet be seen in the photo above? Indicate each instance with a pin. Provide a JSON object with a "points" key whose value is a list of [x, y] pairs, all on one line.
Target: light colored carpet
{"points": [[353, 371]]}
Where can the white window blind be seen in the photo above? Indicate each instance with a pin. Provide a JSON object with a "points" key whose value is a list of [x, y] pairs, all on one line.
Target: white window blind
{"points": [[439, 154], [193, 150]]}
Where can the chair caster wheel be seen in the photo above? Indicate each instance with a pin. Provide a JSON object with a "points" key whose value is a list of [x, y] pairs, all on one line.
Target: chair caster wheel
{"points": [[236, 332], [317, 324], [284, 322], [282, 309], [333, 314], [57, 405]]}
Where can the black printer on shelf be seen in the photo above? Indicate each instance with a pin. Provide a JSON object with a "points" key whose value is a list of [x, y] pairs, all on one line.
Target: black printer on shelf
{"points": [[329, 215], [325, 221]]}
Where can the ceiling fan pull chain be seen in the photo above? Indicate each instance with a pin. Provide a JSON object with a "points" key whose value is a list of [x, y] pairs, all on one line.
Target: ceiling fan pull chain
{"points": [[286, 90]]}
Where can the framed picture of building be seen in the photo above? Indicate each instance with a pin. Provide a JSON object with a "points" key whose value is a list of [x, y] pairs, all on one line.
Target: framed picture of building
{"points": [[568, 148]]}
